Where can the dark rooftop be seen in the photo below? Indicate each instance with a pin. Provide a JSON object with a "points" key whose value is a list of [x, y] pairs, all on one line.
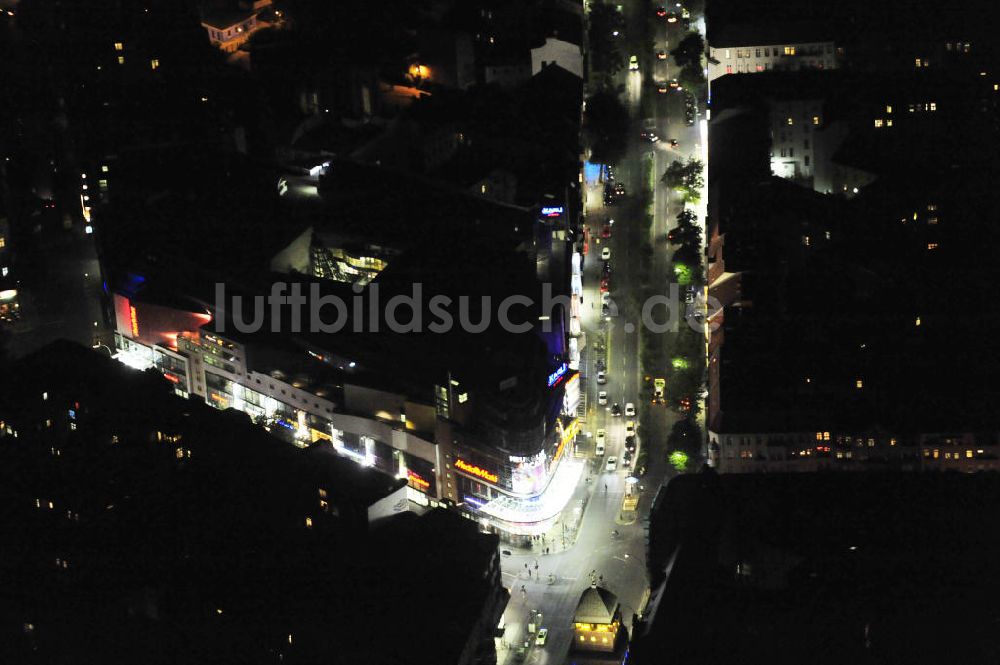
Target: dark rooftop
{"points": [[865, 568]]}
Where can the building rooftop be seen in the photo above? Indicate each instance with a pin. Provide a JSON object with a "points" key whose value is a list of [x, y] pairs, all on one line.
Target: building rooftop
{"points": [[596, 605], [766, 32], [221, 18], [826, 568]]}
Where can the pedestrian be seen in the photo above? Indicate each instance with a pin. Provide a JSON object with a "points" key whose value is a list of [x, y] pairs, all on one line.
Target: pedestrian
{"points": [[605, 488]]}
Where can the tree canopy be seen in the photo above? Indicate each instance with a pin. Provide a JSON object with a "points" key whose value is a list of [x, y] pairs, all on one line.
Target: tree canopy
{"points": [[606, 123]]}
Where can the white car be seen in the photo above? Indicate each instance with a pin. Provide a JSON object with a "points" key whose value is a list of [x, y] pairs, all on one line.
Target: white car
{"points": [[602, 398], [605, 298], [633, 63], [630, 428], [606, 254], [629, 410], [602, 437], [611, 464], [602, 378], [540, 638]]}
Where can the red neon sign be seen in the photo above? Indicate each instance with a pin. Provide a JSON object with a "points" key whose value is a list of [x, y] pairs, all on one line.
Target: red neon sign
{"points": [[415, 479]]}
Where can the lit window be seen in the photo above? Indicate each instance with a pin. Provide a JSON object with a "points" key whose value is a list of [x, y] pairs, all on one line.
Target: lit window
{"points": [[3, 242], [888, 108], [931, 207], [119, 46], [892, 442], [888, 123], [789, 121], [805, 240], [309, 522], [789, 50], [933, 106], [932, 245], [826, 436], [917, 322], [322, 493], [815, 119], [917, 62], [45, 396], [154, 63], [936, 454], [878, 122], [932, 220], [968, 454], [104, 168], [859, 383], [728, 54], [819, 436], [121, 60]]}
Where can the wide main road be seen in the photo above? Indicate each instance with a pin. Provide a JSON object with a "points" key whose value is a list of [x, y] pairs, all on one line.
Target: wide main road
{"points": [[619, 560]]}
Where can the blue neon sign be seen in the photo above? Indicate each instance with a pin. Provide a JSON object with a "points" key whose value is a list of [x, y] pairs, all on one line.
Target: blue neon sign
{"points": [[552, 211], [557, 375], [474, 502]]}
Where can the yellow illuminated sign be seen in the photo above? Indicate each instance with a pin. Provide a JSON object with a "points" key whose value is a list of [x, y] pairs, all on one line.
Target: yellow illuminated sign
{"points": [[569, 432], [476, 471]]}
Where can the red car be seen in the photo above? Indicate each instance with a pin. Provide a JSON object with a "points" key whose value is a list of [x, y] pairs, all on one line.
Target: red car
{"points": [[605, 283], [606, 231], [661, 11]]}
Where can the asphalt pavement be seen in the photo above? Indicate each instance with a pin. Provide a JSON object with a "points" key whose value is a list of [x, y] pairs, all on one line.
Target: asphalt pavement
{"points": [[619, 560]]}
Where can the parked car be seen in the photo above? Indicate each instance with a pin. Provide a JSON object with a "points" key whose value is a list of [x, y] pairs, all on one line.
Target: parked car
{"points": [[606, 231], [630, 443], [627, 458], [542, 635], [606, 254], [630, 428], [602, 378]]}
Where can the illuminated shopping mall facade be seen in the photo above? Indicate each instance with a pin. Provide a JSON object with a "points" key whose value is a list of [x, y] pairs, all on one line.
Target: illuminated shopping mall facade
{"points": [[501, 452]]}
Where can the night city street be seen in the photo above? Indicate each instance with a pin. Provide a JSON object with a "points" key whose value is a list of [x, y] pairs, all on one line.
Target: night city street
{"points": [[488, 332]]}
